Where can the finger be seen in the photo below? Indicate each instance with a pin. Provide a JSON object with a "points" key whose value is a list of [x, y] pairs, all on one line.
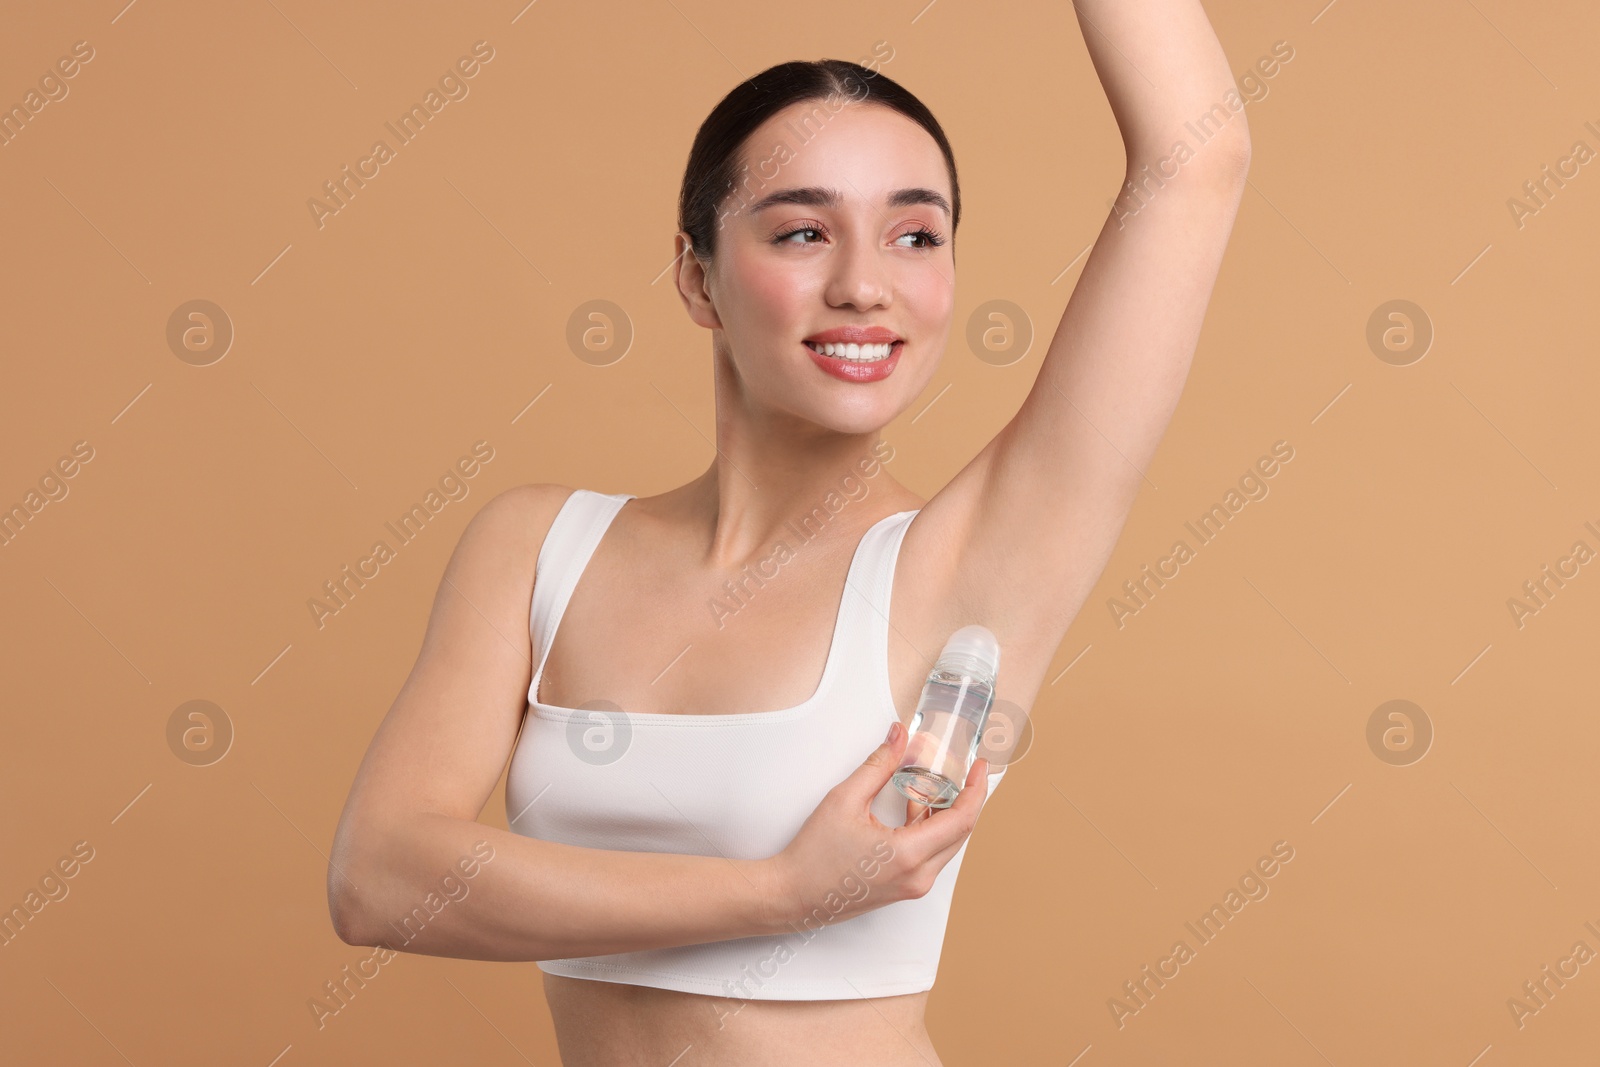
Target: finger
{"points": [[974, 790], [973, 795], [916, 811], [948, 852], [868, 780], [937, 831], [919, 747]]}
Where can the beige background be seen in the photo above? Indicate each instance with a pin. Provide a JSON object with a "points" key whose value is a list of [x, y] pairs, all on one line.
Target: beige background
{"points": [[431, 312]]}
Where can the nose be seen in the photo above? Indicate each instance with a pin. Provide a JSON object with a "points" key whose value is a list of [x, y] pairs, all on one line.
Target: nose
{"points": [[860, 277]]}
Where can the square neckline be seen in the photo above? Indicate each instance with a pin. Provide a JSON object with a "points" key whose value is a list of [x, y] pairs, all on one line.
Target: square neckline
{"points": [[557, 713]]}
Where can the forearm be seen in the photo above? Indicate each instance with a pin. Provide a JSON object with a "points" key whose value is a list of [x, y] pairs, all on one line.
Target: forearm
{"points": [[539, 900], [1162, 67]]}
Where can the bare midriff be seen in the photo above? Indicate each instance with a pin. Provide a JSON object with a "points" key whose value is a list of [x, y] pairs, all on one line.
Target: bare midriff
{"points": [[611, 1024]]}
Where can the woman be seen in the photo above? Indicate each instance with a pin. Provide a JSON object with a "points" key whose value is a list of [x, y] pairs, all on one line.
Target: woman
{"points": [[656, 852]]}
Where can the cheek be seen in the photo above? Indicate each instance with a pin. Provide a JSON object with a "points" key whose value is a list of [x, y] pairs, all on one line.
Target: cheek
{"points": [[763, 298], [775, 298], [929, 297]]}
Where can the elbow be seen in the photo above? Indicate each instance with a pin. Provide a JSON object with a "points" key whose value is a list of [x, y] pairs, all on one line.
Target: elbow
{"points": [[1237, 155], [1232, 142], [1226, 171], [345, 899], [344, 910], [1224, 160], [1220, 163]]}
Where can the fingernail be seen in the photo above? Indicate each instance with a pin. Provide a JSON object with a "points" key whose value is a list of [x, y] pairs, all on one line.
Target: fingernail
{"points": [[892, 728]]}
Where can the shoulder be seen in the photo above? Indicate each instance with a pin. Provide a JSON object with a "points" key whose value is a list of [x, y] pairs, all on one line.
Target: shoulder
{"points": [[508, 530], [531, 507]]}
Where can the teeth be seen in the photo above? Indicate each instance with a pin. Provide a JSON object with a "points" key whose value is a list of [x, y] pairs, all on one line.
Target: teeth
{"points": [[857, 353]]}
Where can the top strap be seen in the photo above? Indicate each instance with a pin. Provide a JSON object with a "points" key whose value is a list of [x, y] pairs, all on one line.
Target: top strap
{"points": [[573, 536], [862, 637]]}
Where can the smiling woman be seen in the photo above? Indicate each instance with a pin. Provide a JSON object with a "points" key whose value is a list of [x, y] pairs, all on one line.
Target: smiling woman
{"points": [[704, 852], [865, 220]]}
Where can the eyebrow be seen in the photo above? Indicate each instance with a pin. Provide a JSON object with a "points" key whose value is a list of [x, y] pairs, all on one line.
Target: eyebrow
{"points": [[818, 196]]}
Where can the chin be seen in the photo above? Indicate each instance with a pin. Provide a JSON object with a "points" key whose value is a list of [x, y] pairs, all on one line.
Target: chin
{"points": [[856, 419]]}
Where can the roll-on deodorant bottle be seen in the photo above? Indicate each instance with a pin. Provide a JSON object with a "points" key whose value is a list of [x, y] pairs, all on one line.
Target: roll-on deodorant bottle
{"points": [[948, 725]]}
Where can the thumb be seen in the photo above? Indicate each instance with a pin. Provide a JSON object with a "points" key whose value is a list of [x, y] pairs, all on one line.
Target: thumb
{"points": [[868, 780]]}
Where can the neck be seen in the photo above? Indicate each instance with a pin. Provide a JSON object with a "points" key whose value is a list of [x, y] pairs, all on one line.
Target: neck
{"points": [[777, 476]]}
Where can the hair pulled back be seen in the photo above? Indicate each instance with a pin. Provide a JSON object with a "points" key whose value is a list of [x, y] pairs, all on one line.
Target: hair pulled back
{"points": [[714, 169]]}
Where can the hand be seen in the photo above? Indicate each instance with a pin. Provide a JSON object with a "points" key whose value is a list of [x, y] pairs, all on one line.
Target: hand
{"points": [[843, 839]]}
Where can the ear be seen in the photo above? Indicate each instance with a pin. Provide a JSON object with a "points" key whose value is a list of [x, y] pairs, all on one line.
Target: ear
{"points": [[693, 287]]}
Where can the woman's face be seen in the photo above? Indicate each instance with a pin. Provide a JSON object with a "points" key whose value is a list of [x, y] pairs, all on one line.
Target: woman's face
{"points": [[848, 228]]}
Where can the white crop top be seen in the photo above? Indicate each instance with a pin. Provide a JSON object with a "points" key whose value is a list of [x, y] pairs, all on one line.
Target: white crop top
{"points": [[705, 785]]}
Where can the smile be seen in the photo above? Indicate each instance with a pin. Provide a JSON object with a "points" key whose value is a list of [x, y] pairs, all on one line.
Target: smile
{"points": [[857, 363], [853, 353]]}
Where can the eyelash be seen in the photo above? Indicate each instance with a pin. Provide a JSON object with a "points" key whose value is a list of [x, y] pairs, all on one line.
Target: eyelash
{"points": [[933, 238]]}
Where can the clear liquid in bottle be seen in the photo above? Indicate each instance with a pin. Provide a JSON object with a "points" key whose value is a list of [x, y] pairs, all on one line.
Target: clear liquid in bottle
{"points": [[950, 716]]}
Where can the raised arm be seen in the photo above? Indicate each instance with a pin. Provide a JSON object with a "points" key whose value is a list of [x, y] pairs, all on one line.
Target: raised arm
{"points": [[1039, 509]]}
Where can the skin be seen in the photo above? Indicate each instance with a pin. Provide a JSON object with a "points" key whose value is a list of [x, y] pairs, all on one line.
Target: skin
{"points": [[1015, 540]]}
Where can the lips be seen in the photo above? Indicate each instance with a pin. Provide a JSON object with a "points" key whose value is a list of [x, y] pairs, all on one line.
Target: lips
{"points": [[858, 369], [855, 335]]}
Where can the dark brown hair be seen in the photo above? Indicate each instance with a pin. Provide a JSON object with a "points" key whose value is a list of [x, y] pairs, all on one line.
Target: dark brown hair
{"points": [[713, 168]]}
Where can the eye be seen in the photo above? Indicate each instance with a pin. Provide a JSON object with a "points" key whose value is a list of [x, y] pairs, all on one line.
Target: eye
{"points": [[930, 238], [783, 237]]}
